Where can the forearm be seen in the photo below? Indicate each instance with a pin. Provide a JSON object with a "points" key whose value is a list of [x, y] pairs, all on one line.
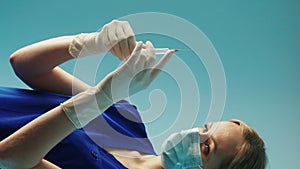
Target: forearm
{"points": [[27, 146], [42, 56], [37, 66]]}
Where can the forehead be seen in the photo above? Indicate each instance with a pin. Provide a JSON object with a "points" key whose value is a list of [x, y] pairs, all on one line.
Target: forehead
{"points": [[227, 132], [229, 137], [225, 128], [227, 125]]}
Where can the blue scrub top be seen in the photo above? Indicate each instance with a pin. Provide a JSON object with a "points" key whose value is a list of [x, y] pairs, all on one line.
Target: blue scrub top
{"points": [[120, 126]]}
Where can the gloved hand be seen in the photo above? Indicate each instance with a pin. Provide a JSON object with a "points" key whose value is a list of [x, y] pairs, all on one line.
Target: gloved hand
{"points": [[131, 77], [116, 36]]}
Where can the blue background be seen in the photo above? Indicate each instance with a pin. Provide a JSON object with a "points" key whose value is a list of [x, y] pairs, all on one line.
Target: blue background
{"points": [[258, 43]]}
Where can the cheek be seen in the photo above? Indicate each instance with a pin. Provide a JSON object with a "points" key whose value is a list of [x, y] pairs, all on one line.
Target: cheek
{"points": [[230, 144], [211, 162]]}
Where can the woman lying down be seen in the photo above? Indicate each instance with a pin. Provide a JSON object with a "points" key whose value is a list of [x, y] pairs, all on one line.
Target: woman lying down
{"points": [[42, 128]]}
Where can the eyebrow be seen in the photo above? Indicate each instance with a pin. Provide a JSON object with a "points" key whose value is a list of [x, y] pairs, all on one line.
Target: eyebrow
{"points": [[215, 144], [213, 139]]}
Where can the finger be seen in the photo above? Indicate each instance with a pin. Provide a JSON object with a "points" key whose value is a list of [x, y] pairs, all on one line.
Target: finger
{"points": [[124, 49], [150, 48], [107, 39], [162, 62], [113, 52], [119, 34], [150, 54], [127, 29], [131, 43], [141, 61], [129, 35], [113, 40], [135, 54], [111, 35], [117, 50], [122, 42]]}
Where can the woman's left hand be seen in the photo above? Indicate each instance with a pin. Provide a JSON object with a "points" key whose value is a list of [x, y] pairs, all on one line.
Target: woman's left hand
{"points": [[122, 33]]}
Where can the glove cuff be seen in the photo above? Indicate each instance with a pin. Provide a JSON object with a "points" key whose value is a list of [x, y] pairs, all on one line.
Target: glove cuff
{"points": [[77, 44], [85, 107]]}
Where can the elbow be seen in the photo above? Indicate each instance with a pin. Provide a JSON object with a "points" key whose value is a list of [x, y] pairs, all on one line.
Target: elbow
{"points": [[14, 61], [14, 58], [17, 63]]}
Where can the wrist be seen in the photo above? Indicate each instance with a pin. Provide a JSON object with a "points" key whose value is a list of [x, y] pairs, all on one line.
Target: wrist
{"points": [[77, 44], [86, 106]]}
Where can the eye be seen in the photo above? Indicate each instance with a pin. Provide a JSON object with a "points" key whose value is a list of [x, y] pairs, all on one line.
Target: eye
{"points": [[206, 149]]}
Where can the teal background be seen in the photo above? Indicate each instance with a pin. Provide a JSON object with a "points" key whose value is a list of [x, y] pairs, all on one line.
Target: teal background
{"points": [[258, 43]]}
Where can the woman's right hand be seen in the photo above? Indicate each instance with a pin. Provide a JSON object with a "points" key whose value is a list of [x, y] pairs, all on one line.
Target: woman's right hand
{"points": [[135, 74]]}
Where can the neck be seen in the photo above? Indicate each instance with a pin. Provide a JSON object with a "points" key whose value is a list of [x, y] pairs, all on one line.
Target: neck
{"points": [[151, 162], [143, 161]]}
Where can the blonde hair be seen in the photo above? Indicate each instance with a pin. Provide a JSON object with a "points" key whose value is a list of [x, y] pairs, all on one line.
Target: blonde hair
{"points": [[252, 154]]}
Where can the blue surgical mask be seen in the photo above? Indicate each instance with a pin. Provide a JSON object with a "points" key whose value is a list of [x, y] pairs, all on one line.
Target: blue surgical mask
{"points": [[182, 150]]}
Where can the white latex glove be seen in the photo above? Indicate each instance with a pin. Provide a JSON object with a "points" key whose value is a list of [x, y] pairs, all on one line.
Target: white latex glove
{"points": [[133, 76], [116, 36]]}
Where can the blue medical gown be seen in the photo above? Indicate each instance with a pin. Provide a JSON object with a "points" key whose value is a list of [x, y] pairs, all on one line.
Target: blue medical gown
{"points": [[120, 126]]}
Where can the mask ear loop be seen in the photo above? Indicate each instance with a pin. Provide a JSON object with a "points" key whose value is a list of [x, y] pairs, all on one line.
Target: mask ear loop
{"points": [[196, 130]]}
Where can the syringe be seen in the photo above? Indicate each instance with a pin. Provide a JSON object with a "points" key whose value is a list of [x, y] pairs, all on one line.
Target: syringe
{"points": [[161, 51]]}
